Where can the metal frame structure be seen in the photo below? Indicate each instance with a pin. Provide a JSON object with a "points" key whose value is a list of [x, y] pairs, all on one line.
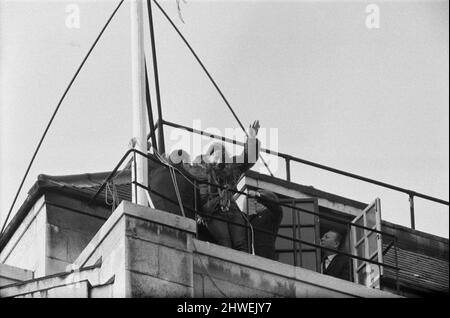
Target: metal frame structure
{"points": [[136, 184]]}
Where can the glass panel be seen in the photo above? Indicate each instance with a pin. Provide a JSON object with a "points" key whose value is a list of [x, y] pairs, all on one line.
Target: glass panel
{"points": [[361, 251], [309, 260], [372, 238], [371, 217], [287, 216], [308, 234], [306, 218], [287, 258], [282, 243], [359, 231]]}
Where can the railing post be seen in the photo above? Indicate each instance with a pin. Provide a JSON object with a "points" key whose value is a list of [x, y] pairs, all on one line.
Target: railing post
{"points": [[195, 206], [411, 211], [397, 282], [288, 170], [350, 260], [134, 188]]}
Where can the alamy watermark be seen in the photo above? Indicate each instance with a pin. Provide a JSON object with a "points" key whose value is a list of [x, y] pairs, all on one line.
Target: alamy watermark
{"points": [[195, 146], [73, 16], [373, 16]]}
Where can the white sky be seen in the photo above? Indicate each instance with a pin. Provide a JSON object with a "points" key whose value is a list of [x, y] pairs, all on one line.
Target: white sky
{"points": [[370, 101]]}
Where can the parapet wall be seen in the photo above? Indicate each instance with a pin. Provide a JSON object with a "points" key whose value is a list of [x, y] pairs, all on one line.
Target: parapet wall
{"points": [[142, 252]]}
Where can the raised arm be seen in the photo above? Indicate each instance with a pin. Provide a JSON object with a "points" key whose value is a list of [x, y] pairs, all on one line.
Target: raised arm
{"points": [[250, 154]]}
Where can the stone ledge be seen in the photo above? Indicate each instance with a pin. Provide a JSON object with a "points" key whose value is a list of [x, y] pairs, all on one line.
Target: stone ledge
{"points": [[15, 273], [90, 275], [158, 216], [73, 290], [137, 211], [287, 271]]}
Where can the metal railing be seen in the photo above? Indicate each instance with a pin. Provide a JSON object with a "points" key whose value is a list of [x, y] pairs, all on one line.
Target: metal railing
{"points": [[195, 210], [288, 159]]}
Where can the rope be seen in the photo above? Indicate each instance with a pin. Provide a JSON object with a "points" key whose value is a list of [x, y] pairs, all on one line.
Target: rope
{"points": [[201, 64], [177, 190], [174, 180], [114, 194], [56, 110]]}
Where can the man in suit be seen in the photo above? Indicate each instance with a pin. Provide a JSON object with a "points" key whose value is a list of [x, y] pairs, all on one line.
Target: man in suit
{"points": [[333, 264]]}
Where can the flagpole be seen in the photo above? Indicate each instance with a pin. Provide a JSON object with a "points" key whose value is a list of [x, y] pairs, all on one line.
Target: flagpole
{"points": [[140, 170]]}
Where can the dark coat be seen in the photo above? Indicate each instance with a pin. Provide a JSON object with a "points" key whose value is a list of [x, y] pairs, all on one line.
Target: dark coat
{"points": [[339, 267], [269, 220], [161, 182], [227, 174]]}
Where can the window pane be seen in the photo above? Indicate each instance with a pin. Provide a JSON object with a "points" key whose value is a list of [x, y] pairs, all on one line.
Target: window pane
{"points": [[287, 216], [361, 251], [309, 260], [371, 217], [308, 234], [286, 257], [304, 217], [372, 243], [282, 243], [359, 231]]}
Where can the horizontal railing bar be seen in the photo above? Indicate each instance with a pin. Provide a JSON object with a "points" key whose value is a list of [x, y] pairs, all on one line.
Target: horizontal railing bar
{"points": [[313, 164]]}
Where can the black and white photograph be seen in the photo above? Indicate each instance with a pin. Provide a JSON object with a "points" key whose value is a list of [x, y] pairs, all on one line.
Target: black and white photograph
{"points": [[224, 153]]}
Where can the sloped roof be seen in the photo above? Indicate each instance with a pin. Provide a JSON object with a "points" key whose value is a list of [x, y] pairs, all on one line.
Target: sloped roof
{"points": [[82, 186]]}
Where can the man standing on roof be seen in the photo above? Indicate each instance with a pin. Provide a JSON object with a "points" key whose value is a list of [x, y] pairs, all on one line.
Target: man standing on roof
{"points": [[266, 222], [222, 173]]}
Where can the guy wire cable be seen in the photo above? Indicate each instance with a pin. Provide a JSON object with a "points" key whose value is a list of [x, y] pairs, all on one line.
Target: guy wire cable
{"points": [[56, 110], [207, 74]]}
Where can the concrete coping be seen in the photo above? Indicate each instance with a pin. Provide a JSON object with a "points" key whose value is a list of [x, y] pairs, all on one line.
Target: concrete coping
{"points": [[15, 273], [88, 275], [285, 270], [137, 211], [159, 216]]}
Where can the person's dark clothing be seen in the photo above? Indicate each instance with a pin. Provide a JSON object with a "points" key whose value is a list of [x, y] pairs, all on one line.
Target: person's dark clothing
{"points": [[227, 234], [269, 220], [161, 181], [339, 267], [219, 203]]}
